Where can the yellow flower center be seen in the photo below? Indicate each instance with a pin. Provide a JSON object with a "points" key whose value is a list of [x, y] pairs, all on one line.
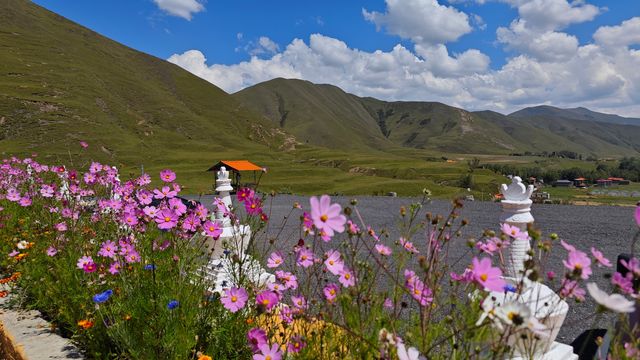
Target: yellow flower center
{"points": [[167, 219], [484, 277], [234, 298], [416, 291], [332, 292], [278, 261], [265, 302], [511, 315], [324, 218], [347, 276], [330, 262], [303, 257], [268, 357], [211, 228], [253, 206], [578, 267]]}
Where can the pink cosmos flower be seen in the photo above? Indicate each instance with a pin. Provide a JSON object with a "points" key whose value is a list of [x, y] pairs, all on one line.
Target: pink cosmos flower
{"points": [[25, 202], [51, 251], [150, 211], [166, 219], [167, 175], [61, 227], [144, 197], [419, 291], [307, 222], [132, 257], [326, 216], [212, 229], [407, 245], [14, 253], [130, 219], [372, 233], [624, 283], [245, 194], [330, 292], [201, 212], [388, 304], [256, 338], [143, 180], [299, 302], [84, 261], [268, 352], [567, 246], [347, 278], [600, 259], [276, 287], [13, 195], [108, 249], [333, 262], [234, 299], [296, 344], [632, 265], [383, 250], [47, 191], [84, 144], [514, 232], [253, 206], [579, 263], [114, 268], [191, 223], [165, 192], [289, 280], [487, 276], [177, 206], [90, 178], [267, 299], [275, 260], [352, 228], [571, 289], [89, 268], [305, 258]]}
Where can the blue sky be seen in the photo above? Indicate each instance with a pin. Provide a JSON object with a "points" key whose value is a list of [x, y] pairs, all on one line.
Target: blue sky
{"points": [[477, 54]]}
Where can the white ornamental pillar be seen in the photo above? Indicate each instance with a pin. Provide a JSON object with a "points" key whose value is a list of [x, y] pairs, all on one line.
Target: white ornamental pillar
{"points": [[516, 211], [224, 188]]}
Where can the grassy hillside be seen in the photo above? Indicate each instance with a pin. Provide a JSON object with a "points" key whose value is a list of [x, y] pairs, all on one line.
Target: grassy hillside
{"points": [[579, 113]]}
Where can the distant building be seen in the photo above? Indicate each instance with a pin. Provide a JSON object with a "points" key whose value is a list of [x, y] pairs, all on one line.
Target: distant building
{"points": [[580, 182], [605, 183], [618, 181], [235, 167], [562, 183]]}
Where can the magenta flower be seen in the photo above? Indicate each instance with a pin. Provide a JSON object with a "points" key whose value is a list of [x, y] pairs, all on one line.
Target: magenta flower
{"points": [[383, 250], [150, 211], [420, 292], [201, 212], [307, 222], [47, 191], [245, 194], [326, 216], [130, 219], [165, 192], [84, 261], [487, 276], [330, 292], [143, 180], [305, 258], [267, 299], [61, 227], [114, 268], [89, 268], [177, 206], [352, 228], [388, 304], [289, 280], [51, 251], [167, 175], [299, 302], [212, 229], [333, 262], [347, 278], [579, 263], [624, 283], [567, 246], [256, 338], [191, 223], [234, 299], [144, 197], [108, 249], [268, 352], [296, 344], [132, 257], [25, 202], [275, 260], [632, 265], [253, 206], [14, 253], [600, 259], [166, 219], [84, 144], [514, 232], [407, 245], [571, 289]]}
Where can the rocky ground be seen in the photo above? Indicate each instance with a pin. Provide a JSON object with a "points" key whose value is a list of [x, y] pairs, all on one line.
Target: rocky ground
{"points": [[608, 228]]}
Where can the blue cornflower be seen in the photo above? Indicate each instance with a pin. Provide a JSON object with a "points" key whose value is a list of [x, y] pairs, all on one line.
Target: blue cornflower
{"points": [[150, 267], [103, 296], [172, 304], [509, 288]]}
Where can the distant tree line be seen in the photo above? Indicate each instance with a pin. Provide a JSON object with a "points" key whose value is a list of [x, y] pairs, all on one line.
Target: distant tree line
{"points": [[627, 167], [564, 154]]}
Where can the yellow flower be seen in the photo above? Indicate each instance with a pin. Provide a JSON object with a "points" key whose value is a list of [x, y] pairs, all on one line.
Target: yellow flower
{"points": [[204, 357], [85, 324]]}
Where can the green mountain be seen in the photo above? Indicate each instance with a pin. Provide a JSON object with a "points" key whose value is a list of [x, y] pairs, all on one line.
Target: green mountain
{"points": [[578, 113], [61, 83], [310, 111]]}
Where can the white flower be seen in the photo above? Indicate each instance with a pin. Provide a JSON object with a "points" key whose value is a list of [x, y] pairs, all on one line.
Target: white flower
{"points": [[22, 245], [408, 354], [614, 302], [519, 316]]}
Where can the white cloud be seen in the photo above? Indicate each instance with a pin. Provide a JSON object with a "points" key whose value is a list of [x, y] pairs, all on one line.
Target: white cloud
{"points": [[423, 21], [625, 34], [551, 68], [181, 8], [554, 14], [264, 46]]}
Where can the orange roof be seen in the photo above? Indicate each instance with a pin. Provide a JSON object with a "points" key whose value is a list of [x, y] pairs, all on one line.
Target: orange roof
{"points": [[615, 178], [580, 179], [238, 165]]}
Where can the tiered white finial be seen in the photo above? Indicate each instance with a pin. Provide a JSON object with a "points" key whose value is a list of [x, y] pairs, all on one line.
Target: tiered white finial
{"points": [[516, 211], [222, 270], [544, 303]]}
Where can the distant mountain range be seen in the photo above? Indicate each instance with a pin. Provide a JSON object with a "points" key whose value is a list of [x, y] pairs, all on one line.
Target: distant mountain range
{"points": [[324, 115], [61, 83]]}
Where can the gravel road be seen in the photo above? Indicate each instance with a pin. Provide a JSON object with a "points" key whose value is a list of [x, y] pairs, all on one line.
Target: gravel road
{"points": [[609, 228]]}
